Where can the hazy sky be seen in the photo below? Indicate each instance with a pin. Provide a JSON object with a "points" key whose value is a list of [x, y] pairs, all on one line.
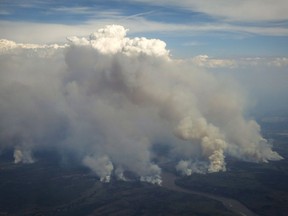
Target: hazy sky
{"points": [[222, 28]]}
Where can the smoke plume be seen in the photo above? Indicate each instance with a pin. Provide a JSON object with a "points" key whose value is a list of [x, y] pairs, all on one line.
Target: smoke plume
{"points": [[109, 98]]}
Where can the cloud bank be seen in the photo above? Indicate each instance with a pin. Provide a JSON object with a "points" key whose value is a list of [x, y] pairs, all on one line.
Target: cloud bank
{"points": [[254, 10], [107, 99]]}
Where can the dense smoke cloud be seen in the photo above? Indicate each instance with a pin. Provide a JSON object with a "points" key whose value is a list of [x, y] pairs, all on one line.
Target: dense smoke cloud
{"points": [[108, 99]]}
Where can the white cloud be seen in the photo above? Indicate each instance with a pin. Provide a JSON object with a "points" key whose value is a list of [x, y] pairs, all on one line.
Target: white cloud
{"points": [[113, 40], [32, 32], [279, 62], [258, 62], [245, 10], [206, 62], [262, 62], [4, 12], [193, 43], [72, 10]]}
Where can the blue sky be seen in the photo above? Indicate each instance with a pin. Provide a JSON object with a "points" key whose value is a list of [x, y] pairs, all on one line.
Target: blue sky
{"points": [[222, 28]]}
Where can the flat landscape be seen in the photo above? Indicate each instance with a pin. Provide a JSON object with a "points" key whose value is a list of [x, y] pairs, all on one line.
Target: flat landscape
{"points": [[51, 187], [47, 189]]}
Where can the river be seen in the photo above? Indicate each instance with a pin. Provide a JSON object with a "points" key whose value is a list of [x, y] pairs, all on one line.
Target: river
{"points": [[231, 204]]}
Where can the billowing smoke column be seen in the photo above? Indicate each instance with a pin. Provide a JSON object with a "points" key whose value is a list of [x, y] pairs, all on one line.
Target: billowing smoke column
{"points": [[108, 98]]}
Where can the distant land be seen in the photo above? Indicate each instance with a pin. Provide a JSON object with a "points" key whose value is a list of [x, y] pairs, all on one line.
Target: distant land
{"points": [[48, 187]]}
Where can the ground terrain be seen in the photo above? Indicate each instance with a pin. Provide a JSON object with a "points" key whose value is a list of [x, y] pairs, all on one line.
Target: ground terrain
{"points": [[51, 187]]}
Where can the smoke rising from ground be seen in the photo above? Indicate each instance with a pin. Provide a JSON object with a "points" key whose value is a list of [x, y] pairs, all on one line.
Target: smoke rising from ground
{"points": [[108, 98]]}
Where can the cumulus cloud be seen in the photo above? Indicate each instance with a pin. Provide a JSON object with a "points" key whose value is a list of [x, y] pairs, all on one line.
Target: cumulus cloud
{"points": [[112, 40], [108, 98]]}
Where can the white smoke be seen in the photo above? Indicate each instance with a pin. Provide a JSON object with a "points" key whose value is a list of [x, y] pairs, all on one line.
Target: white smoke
{"points": [[22, 156], [156, 179], [119, 173], [108, 98], [212, 141], [102, 166], [188, 167]]}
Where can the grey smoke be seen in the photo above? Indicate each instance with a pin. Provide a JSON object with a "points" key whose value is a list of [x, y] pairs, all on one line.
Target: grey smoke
{"points": [[108, 98]]}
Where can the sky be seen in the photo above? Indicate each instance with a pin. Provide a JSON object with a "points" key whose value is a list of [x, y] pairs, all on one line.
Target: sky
{"points": [[102, 82], [246, 39], [190, 28]]}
